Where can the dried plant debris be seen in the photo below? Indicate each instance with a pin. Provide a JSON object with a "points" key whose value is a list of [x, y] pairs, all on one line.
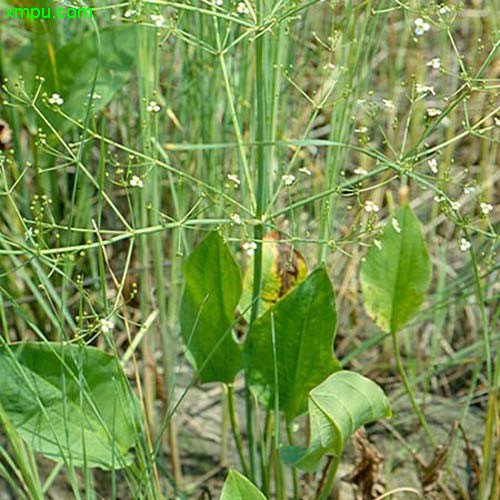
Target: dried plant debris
{"points": [[367, 473], [431, 475], [5, 134]]}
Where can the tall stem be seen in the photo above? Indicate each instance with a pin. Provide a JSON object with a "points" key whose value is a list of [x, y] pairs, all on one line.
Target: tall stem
{"points": [[259, 226], [410, 391]]}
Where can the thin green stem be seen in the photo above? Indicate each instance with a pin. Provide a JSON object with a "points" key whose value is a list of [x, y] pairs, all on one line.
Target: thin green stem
{"points": [[236, 429], [409, 389]]}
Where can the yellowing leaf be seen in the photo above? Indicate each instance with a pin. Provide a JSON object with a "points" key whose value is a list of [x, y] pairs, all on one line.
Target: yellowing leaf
{"points": [[283, 268]]}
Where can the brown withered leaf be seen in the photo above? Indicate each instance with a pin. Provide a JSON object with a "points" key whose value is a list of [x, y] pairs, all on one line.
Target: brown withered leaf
{"points": [[366, 475]]}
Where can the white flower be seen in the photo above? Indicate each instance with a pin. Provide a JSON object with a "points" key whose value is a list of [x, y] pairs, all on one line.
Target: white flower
{"points": [[234, 178], [95, 96], [388, 103], [378, 244], [438, 198], [153, 107], [425, 89], [218, 2], [433, 165], [360, 171], [55, 98], [395, 225], [421, 26], [106, 325], [158, 19], [305, 170], [486, 208], [250, 247], [434, 63], [465, 245], [455, 205], [496, 121], [136, 181], [444, 10], [361, 130], [433, 112], [242, 8], [370, 206], [236, 219], [129, 13], [288, 179], [469, 189]]}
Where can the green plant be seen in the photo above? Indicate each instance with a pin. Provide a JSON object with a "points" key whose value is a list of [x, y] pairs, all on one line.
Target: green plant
{"points": [[286, 357]]}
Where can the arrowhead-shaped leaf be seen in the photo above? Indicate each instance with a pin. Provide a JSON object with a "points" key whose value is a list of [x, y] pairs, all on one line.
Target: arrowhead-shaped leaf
{"points": [[238, 487], [70, 403], [304, 324], [395, 278], [337, 408], [213, 290]]}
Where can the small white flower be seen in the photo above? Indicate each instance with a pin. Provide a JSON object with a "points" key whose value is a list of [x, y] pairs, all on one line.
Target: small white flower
{"points": [[234, 178], [153, 107], [469, 189], [288, 179], [305, 170], [388, 103], [55, 98], [361, 130], [250, 247], [425, 89], [378, 244], [158, 19], [395, 225], [433, 165], [438, 198], [28, 234], [236, 219], [218, 2], [106, 325], [434, 63], [444, 10], [136, 181], [421, 26], [370, 206], [496, 121], [242, 8], [360, 171], [129, 13], [465, 245], [486, 208], [455, 205], [433, 112]]}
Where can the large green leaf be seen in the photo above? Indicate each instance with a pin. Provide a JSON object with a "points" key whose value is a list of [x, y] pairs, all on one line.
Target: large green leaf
{"points": [[238, 487], [73, 73], [395, 277], [338, 407], [304, 324], [69, 402], [213, 290]]}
